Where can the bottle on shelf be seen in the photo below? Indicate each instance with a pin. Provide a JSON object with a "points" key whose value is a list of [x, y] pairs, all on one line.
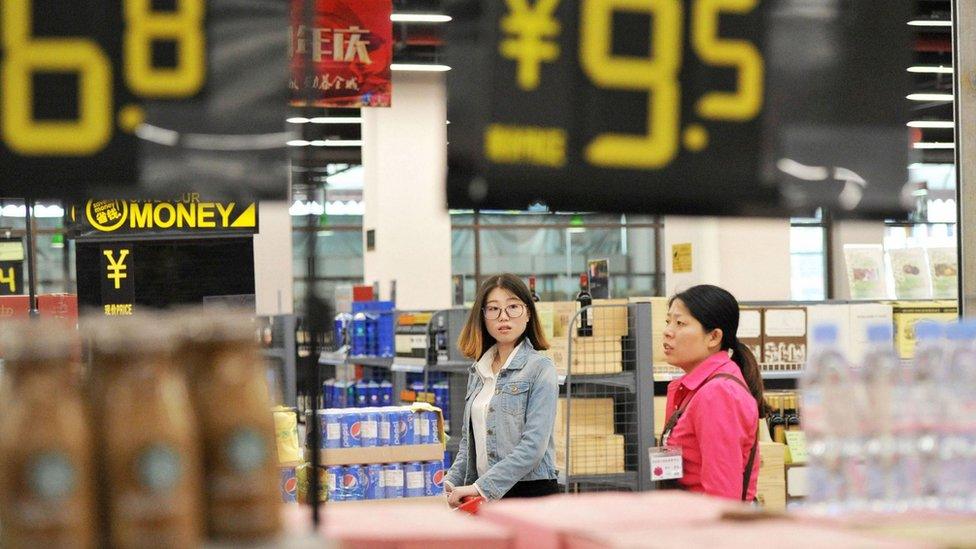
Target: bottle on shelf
{"points": [[358, 343], [927, 409], [532, 292], [777, 423], [792, 414], [584, 299]]}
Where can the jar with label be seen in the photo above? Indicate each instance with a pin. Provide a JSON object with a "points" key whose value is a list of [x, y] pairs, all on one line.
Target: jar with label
{"points": [[47, 496], [147, 434], [231, 398]]}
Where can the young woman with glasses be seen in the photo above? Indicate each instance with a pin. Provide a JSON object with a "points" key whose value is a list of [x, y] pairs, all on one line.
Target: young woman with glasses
{"points": [[507, 446]]}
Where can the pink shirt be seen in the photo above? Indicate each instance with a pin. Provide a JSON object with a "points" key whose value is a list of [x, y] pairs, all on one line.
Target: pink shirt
{"points": [[717, 429]]}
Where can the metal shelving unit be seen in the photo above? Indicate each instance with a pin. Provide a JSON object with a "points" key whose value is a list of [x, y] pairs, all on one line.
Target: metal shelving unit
{"points": [[628, 394]]}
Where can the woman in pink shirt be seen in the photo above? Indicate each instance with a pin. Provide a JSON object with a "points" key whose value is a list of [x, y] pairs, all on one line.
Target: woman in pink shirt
{"points": [[713, 410]]}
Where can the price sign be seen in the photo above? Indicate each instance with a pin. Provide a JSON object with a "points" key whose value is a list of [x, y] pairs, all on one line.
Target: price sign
{"points": [[99, 94], [11, 266], [678, 106]]}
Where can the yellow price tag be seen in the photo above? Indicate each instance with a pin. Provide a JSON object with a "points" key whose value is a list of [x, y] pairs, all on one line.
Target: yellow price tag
{"points": [[796, 441]]}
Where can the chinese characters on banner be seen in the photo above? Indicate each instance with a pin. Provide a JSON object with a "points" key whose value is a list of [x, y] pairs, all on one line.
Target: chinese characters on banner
{"points": [[350, 47]]}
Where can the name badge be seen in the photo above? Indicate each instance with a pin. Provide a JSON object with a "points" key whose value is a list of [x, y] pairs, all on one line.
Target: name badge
{"points": [[666, 463]]}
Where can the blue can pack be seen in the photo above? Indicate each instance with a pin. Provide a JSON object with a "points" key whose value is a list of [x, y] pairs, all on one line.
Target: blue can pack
{"points": [[383, 429], [331, 429], [405, 428], [413, 474], [421, 428], [328, 386], [333, 479], [353, 483], [433, 478], [369, 427], [394, 480], [373, 393], [358, 338], [351, 424], [386, 393], [362, 394], [434, 428], [372, 340], [376, 482]]}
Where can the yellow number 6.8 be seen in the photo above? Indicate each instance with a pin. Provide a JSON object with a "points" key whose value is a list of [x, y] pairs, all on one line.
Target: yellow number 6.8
{"points": [[657, 75], [183, 26], [25, 56]]}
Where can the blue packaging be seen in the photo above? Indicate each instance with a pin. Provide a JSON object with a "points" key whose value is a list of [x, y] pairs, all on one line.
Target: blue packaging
{"points": [[373, 393], [421, 428], [362, 394], [386, 333], [413, 474], [351, 425], [394, 480], [433, 478], [384, 433], [372, 342], [369, 426], [339, 394], [328, 386], [386, 393], [434, 428], [405, 427], [354, 479], [331, 429], [358, 343], [376, 482], [442, 398], [333, 478], [340, 330]]}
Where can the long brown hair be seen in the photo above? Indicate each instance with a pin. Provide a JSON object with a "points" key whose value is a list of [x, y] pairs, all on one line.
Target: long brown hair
{"points": [[475, 339], [714, 308]]}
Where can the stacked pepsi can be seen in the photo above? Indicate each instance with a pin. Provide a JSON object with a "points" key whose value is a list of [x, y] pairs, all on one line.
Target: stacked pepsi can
{"points": [[385, 481], [370, 427]]}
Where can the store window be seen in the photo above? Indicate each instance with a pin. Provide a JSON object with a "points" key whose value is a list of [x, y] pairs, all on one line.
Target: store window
{"points": [[808, 258], [54, 255]]}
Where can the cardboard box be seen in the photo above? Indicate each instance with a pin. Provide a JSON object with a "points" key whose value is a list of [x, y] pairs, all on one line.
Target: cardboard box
{"points": [[609, 318], [382, 454], [659, 315], [906, 313], [591, 355], [587, 416], [771, 484], [555, 317], [784, 338], [591, 454]]}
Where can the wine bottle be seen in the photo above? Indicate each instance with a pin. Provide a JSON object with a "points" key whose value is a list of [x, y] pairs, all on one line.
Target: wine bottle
{"points": [[535, 296], [777, 421], [584, 299]]}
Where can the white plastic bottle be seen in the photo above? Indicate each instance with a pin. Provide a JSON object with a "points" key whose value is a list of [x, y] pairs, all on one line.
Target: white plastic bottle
{"points": [[926, 407], [878, 457], [956, 443]]}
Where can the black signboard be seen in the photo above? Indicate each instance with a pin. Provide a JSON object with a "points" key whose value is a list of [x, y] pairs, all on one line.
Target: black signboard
{"points": [[12, 266], [118, 279], [191, 216], [754, 107], [143, 99]]}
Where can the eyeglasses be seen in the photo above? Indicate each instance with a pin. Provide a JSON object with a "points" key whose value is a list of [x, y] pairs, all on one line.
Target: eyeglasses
{"points": [[514, 310]]}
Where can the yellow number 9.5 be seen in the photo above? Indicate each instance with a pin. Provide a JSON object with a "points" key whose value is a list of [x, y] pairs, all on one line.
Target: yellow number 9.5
{"points": [[657, 75], [745, 103], [25, 56], [185, 27]]}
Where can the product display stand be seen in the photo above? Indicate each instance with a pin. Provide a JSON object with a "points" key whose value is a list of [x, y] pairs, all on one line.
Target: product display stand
{"points": [[605, 420]]}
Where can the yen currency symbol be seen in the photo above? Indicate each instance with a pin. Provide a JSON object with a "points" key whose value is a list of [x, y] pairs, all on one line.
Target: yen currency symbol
{"points": [[116, 267]]}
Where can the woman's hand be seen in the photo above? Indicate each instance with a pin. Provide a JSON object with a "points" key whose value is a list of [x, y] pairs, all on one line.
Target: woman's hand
{"points": [[458, 494]]}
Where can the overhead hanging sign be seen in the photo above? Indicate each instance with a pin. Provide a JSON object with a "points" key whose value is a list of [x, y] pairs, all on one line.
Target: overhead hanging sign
{"points": [[752, 107], [128, 218], [350, 47], [143, 99]]}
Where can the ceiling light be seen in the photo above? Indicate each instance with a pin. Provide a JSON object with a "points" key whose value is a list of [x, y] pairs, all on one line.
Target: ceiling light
{"points": [[929, 23], [934, 124], [933, 145], [419, 18], [416, 67], [297, 120], [930, 69], [337, 120], [298, 143], [929, 97], [343, 143]]}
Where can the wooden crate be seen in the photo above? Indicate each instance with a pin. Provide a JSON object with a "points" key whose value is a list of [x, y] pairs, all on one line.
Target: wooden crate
{"points": [[592, 454], [609, 322], [555, 317], [588, 416]]}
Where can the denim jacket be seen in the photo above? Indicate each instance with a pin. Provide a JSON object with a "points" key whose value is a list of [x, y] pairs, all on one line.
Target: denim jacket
{"points": [[521, 418]]}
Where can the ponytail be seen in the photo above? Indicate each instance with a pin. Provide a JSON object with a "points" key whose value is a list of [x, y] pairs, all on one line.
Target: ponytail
{"points": [[749, 367]]}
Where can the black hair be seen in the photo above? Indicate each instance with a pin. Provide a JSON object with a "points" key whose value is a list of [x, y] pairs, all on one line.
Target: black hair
{"points": [[715, 307]]}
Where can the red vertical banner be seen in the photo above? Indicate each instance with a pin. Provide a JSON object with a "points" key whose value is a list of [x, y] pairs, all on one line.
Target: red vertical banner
{"points": [[350, 47]]}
